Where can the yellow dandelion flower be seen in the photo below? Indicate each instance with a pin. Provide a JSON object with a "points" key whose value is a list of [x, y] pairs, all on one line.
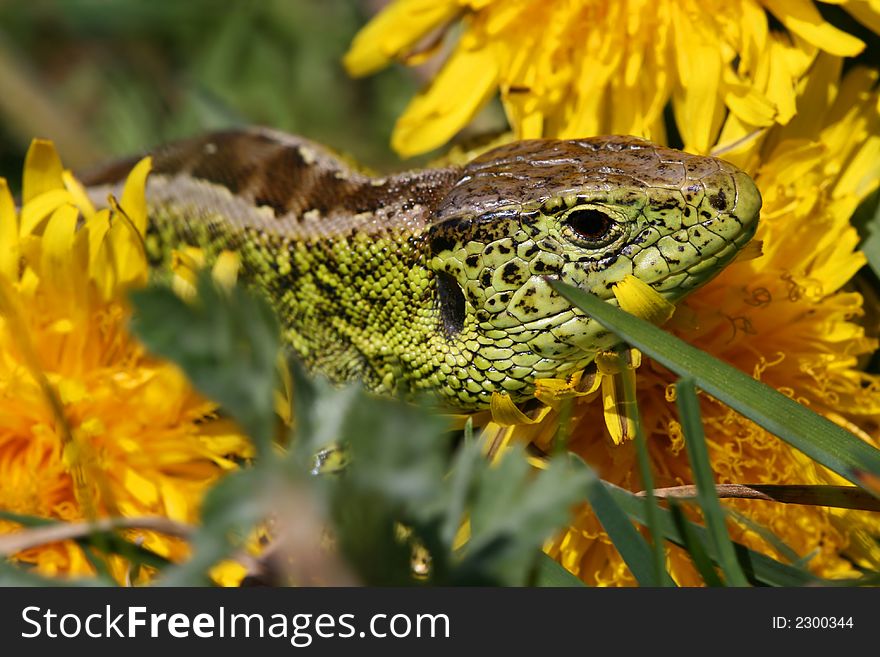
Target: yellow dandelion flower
{"points": [[90, 424], [586, 67], [785, 317]]}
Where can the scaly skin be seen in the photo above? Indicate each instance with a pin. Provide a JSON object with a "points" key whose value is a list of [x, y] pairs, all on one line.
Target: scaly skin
{"points": [[436, 280]]}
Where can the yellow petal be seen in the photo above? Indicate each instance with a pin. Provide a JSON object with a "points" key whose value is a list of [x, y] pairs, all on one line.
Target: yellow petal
{"points": [[866, 12], [185, 265], [462, 87], [393, 31], [228, 573], [225, 269], [617, 369], [78, 195], [10, 255], [802, 18], [97, 230], [42, 170], [58, 260], [506, 413], [40, 207], [553, 392], [751, 251], [697, 104], [617, 410], [128, 252], [640, 299], [746, 102], [139, 487], [134, 203]]}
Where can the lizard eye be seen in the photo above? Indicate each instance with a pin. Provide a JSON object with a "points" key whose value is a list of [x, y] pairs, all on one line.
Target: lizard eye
{"points": [[590, 227]]}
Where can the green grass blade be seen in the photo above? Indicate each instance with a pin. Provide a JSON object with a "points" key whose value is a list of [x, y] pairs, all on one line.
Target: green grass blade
{"points": [[550, 573], [631, 545], [26, 521], [695, 442], [814, 435], [772, 539], [871, 248], [657, 543], [694, 546], [758, 568]]}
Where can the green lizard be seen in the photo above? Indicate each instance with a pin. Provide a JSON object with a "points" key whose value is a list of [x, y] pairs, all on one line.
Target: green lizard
{"points": [[436, 280]]}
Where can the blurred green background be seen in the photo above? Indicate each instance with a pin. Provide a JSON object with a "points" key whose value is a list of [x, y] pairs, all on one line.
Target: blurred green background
{"points": [[111, 77]]}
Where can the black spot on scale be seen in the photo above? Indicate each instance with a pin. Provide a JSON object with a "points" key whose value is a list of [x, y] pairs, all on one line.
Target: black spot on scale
{"points": [[664, 205], [706, 214], [472, 260], [510, 273], [442, 242], [529, 218], [451, 304], [486, 278], [719, 201]]}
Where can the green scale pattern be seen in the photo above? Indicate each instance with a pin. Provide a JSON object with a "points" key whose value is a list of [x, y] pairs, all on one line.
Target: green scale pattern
{"points": [[436, 281]]}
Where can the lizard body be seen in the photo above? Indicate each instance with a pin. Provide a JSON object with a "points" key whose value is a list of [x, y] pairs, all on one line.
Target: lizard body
{"points": [[435, 281]]}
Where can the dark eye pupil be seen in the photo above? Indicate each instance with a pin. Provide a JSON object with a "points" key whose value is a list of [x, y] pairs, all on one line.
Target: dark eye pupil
{"points": [[589, 224]]}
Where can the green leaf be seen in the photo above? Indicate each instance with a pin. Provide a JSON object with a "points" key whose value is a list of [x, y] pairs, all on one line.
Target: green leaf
{"points": [[657, 545], [695, 548], [814, 435], [513, 514], [229, 512], [25, 520], [227, 343], [14, 575], [550, 573], [462, 480], [405, 474], [758, 568], [871, 248], [631, 545], [695, 441], [769, 536], [399, 457]]}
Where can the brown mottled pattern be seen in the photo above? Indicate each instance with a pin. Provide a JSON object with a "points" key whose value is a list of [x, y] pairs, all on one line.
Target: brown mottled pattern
{"points": [[436, 280], [533, 171], [309, 190]]}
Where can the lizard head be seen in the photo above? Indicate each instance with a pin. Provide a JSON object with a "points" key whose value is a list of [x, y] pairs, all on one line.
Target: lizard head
{"points": [[587, 212]]}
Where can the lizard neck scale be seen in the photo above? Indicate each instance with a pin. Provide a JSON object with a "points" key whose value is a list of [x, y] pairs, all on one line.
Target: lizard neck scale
{"points": [[434, 281]]}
